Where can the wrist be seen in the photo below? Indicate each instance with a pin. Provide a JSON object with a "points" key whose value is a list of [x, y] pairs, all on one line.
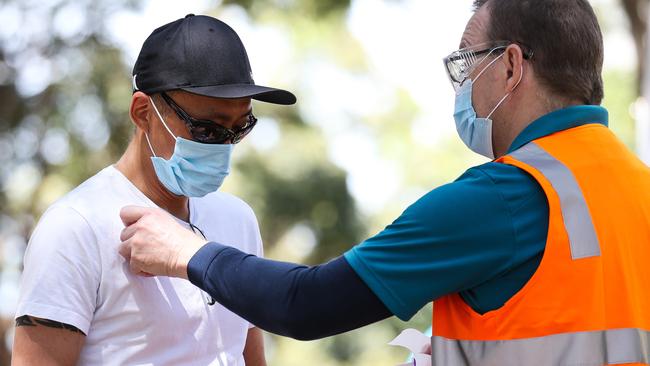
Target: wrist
{"points": [[183, 257]]}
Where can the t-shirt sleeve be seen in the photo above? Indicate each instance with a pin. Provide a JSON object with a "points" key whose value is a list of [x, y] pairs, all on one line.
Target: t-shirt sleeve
{"points": [[453, 238], [62, 270], [258, 249], [259, 246]]}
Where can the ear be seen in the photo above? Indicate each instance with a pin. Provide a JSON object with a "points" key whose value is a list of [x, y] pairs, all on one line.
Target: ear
{"points": [[514, 60], [140, 110]]}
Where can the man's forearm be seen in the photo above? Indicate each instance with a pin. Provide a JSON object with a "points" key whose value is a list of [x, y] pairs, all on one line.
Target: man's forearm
{"points": [[254, 348], [285, 298]]}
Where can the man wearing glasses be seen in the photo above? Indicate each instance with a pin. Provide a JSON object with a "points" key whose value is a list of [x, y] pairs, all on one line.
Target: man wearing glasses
{"points": [[79, 301], [538, 257]]}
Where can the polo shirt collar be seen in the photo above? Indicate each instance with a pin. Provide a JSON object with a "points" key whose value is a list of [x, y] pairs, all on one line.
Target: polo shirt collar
{"points": [[560, 120]]}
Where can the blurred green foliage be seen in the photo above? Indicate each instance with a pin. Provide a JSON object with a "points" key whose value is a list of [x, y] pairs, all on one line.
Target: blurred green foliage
{"points": [[314, 9], [620, 94]]}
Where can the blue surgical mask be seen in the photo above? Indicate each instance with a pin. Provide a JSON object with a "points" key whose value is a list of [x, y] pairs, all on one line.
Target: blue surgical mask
{"points": [[475, 132], [194, 169]]}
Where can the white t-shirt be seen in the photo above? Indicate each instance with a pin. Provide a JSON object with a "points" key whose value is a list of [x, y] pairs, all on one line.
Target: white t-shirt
{"points": [[74, 274]]}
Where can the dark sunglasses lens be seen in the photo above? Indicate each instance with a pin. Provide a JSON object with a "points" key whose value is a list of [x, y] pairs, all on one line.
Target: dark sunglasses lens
{"points": [[245, 130], [209, 133], [240, 135]]}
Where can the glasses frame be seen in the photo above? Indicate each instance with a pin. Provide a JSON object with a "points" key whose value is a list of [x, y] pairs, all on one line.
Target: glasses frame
{"points": [[194, 124], [471, 54]]}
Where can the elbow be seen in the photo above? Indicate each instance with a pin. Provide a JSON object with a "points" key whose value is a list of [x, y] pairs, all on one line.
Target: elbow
{"points": [[302, 334], [301, 328]]}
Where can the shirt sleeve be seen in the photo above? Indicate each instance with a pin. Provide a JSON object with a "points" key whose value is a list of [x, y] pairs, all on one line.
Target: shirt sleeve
{"points": [[259, 247], [62, 270], [453, 238]]}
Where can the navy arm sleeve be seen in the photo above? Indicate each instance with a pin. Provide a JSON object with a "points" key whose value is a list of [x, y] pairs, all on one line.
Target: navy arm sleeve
{"points": [[283, 298]]}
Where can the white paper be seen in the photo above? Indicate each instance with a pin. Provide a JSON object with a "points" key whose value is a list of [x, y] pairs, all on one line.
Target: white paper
{"points": [[418, 343]]}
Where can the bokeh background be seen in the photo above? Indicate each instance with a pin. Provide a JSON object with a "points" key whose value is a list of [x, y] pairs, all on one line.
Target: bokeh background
{"points": [[372, 131]]}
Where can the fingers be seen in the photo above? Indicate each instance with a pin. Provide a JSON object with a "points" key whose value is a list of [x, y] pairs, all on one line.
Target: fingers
{"points": [[150, 238], [131, 214], [125, 251], [134, 269], [128, 232]]}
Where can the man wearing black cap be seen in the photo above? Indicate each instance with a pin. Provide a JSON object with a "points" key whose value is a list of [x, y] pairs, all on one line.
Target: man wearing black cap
{"points": [[79, 301]]}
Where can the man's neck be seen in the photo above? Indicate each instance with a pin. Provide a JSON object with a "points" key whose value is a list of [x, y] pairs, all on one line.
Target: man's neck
{"points": [[137, 167], [520, 118], [508, 132]]}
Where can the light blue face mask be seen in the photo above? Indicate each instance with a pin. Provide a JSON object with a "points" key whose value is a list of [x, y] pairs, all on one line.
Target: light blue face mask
{"points": [[194, 169], [475, 132]]}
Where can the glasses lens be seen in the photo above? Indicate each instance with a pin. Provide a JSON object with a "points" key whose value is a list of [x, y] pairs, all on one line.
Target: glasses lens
{"points": [[240, 133], [459, 64], [208, 132]]}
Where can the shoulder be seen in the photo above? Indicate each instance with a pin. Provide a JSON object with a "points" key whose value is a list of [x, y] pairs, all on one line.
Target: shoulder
{"points": [[503, 175], [69, 224], [98, 200], [91, 195], [74, 211], [482, 186], [61, 220], [494, 175], [517, 188], [491, 198], [475, 188], [85, 216]]}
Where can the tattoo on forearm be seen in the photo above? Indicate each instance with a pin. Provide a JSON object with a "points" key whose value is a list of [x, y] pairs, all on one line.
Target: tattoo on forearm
{"points": [[28, 321]]}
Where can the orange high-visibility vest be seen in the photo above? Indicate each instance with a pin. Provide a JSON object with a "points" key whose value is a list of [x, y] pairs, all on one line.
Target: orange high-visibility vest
{"points": [[588, 303]]}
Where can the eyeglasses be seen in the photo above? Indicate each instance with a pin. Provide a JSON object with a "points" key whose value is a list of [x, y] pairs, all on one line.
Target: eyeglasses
{"points": [[210, 132], [460, 64]]}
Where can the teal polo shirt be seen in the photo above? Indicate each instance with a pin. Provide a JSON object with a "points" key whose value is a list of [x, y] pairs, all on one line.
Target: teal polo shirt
{"points": [[482, 236]]}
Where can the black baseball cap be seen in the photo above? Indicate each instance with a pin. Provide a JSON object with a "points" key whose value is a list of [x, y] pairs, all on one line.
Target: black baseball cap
{"points": [[201, 55]]}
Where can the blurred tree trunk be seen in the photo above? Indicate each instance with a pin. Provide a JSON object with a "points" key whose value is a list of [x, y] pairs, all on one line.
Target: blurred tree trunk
{"points": [[638, 13]]}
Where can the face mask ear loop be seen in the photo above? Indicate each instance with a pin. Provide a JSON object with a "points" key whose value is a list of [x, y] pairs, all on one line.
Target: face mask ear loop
{"points": [[521, 76], [161, 119], [149, 142]]}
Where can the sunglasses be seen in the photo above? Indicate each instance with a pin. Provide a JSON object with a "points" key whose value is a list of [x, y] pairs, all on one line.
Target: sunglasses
{"points": [[210, 132]]}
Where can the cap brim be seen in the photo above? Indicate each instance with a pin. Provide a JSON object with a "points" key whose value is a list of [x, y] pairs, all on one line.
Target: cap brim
{"points": [[233, 91]]}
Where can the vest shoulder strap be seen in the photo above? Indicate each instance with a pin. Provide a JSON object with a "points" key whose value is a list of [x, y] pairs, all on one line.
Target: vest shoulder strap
{"points": [[575, 212]]}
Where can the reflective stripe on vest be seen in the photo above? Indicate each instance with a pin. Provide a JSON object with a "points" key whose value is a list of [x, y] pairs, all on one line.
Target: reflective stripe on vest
{"points": [[575, 213], [596, 348]]}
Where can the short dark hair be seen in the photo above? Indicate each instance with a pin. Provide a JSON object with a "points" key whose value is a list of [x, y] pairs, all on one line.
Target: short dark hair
{"points": [[565, 39]]}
